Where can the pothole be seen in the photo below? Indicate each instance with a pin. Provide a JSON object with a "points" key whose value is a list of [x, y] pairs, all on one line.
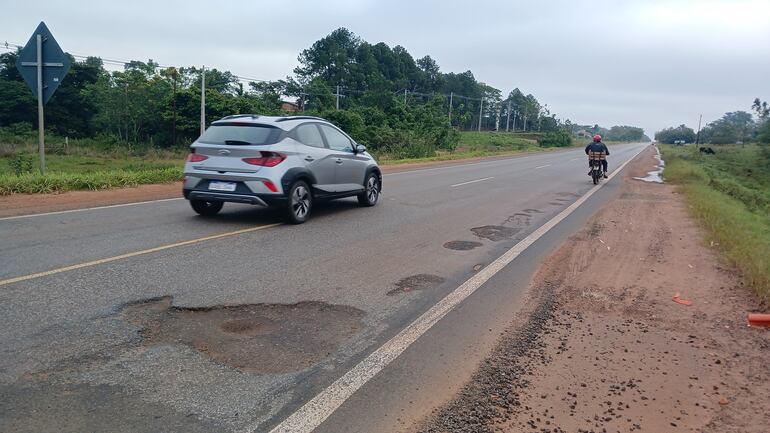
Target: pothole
{"points": [[462, 245], [258, 338], [495, 233], [519, 219], [246, 327], [416, 282]]}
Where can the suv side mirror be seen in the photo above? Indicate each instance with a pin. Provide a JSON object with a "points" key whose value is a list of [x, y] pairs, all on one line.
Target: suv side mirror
{"points": [[360, 148]]}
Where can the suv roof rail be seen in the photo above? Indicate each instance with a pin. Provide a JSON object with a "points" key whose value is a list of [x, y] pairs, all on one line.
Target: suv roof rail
{"points": [[235, 116], [284, 119]]}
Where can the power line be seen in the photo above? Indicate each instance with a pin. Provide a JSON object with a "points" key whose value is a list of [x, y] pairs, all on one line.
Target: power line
{"points": [[12, 47]]}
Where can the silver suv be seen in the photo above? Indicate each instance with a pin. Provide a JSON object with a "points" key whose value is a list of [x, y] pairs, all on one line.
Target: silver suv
{"points": [[288, 162]]}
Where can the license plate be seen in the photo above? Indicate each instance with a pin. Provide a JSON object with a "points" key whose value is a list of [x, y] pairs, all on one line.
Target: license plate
{"points": [[222, 186]]}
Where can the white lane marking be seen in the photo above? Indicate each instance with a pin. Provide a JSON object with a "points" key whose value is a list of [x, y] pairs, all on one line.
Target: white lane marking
{"points": [[133, 254], [542, 166], [308, 417], [88, 208], [472, 181], [575, 159]]}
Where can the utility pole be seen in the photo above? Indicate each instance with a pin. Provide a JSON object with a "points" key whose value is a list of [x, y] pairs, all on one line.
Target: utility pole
{"points": [[514, 120], [451, 96], [481, 106], [203, 100], [405, 101], [508, 118], [697, 136], [525, 123], [40, 130], [338, 96], [173, 131]]}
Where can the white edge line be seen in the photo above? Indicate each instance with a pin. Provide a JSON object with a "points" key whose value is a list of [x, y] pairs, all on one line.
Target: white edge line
{"points": [[308, 417], [543, 166], [472, 181], [88, 208]]}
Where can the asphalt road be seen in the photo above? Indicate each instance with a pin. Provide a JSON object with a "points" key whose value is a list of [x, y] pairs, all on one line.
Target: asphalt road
{"points": [[247, 319]]}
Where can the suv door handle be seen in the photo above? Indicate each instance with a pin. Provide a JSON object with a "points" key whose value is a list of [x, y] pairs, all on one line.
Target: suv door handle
{"points": [[309, 158], [338, 161]]}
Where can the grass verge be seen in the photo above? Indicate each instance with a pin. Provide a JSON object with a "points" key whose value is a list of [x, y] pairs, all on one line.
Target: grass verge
{"points": [[88, 166], [33, 183], [727, 194]]}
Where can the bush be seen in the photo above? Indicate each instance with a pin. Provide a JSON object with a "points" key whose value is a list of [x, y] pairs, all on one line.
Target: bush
{"points": [[559, 138], [22, 163], [402, 144]]}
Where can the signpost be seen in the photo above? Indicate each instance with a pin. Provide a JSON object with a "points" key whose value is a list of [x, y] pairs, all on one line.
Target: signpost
{"points": [[43, 65]]}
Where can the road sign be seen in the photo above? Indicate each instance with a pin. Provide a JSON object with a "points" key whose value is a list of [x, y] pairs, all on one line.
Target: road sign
{"points": [[43, 65], [55, 62]]}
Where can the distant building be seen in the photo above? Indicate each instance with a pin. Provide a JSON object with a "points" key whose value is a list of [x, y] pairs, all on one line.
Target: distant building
{"points": [[289, 107]]}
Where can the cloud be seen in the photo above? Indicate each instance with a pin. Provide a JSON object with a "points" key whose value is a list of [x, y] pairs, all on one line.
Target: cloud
{"points": [[647, 63]]}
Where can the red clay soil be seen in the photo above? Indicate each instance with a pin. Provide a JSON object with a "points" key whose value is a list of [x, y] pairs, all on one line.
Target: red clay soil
{"points": [[611, 351], [23, 204]]}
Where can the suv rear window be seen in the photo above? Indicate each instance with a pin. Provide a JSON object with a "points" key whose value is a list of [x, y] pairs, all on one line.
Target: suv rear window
{"points": [[240, 134]]}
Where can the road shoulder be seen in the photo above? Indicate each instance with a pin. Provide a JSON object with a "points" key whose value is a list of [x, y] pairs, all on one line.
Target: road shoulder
{"points": [[609, 348]]}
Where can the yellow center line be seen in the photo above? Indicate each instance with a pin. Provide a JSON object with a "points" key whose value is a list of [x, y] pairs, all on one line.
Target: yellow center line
{"points": [[133, 254]]}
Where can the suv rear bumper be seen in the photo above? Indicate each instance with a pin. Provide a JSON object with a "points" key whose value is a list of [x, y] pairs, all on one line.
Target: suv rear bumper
{"points": [[254, 199]]}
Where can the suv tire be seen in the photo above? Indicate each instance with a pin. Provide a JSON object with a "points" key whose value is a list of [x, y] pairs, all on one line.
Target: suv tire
{"points": [[300, 202], [206, 208], [371, 193]]}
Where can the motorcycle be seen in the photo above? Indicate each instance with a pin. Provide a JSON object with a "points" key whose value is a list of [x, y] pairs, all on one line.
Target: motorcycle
{"points": [[597, 168]]}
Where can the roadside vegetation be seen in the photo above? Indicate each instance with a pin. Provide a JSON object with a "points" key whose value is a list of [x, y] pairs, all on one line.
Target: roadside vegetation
{"points": [[91, 164], [108, 128], [729, 194]]}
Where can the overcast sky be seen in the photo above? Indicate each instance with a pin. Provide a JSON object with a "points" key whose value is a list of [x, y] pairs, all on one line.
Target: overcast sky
{"points": [[646, 63]]}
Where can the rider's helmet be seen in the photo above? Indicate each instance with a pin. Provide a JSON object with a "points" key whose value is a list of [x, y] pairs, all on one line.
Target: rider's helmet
{"points": [[597, 138]]}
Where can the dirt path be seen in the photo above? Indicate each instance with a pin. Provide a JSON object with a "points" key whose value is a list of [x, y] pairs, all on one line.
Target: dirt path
{"points": [[606, 349]]}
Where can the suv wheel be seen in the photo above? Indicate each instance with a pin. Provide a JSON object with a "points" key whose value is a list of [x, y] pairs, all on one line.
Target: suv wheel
{"points": [[206, 208], [371, 193], [300, 202]]}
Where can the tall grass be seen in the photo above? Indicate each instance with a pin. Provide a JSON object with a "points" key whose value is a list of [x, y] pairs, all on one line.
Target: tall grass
{"points": [[33, 183], [727, 193]]}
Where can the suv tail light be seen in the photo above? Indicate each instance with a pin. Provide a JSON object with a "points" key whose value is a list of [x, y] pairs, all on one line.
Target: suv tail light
{"points": [[196, 157], [268, 159]]}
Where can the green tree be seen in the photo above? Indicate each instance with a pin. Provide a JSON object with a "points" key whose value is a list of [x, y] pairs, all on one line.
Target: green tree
{"points": [[17, 103], [732, 127], [681, 132]]}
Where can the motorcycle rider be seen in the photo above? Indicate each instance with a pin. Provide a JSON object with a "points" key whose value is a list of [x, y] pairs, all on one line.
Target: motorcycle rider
{"points": [[598, 146]]}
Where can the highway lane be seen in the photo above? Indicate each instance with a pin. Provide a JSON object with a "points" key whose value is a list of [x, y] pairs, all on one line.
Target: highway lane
{"points": [[345, 256], [44, 242]]}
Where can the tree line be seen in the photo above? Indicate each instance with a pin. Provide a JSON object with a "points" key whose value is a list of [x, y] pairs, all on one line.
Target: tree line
{"points": [[732, 127], [381, 95]]}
